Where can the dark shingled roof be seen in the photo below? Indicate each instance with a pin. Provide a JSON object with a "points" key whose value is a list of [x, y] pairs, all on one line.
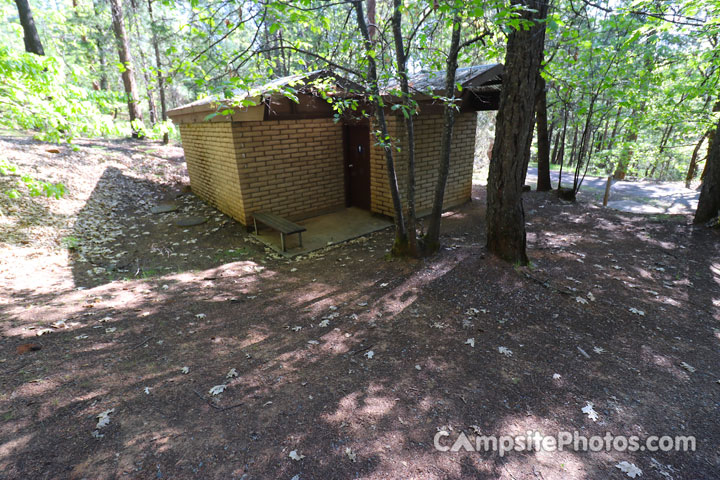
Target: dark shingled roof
{"points": [[473, 77], [257, 93], [476, 78]]}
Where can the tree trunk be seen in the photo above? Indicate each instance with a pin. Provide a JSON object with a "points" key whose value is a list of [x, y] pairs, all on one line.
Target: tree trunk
{"points": [[559, 139], [543, 138], [128, 75], [692, 168], [31, 37], [432, 239], [158, 67], [99, 35], [709, 203], [631, 136], [409, 113], [711, 140], [374, 91], [611, 139], [505, 214], [144, 63]]}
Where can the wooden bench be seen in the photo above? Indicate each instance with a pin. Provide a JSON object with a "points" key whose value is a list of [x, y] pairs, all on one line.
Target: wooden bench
{"points": [[285, 227]]}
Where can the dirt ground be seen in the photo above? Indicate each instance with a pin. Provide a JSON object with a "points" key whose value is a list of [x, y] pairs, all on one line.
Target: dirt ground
{"points": [[344, 363]]}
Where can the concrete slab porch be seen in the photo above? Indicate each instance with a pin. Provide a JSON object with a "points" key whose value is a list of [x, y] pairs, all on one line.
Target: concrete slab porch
{"points": [[325, 230]]}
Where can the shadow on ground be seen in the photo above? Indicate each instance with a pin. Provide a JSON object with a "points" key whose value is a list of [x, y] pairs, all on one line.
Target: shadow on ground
{"points": [[300, 335]]}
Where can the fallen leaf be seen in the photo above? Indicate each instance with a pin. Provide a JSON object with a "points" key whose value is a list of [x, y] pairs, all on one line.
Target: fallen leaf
{"points": [[217, 389], [636, 311], [590, 412], [556, 376], [29, 347], [629, 468], [471, 342], [581, 300], [104, 418], [185, 370], [232, 373], [688, 367], [147, 390], [598, 350], [505, 351], [350, 454], [296, 456], [369, 354]]}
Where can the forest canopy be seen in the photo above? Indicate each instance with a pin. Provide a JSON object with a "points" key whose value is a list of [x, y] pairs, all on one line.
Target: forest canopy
{"points": [[630, 86]]}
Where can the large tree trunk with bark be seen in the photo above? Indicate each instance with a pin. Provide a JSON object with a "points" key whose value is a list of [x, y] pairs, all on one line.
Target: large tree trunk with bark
{"points": [[543, 139], [709, 203], [128, 74], [31, 37], [432, 239], [505, 214]]}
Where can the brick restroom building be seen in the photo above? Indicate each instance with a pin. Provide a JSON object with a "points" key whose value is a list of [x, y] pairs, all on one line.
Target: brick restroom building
{"points": [[296, 158]]}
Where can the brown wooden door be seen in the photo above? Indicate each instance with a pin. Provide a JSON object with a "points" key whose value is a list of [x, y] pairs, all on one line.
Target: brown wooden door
{"points": [[357, 166]]}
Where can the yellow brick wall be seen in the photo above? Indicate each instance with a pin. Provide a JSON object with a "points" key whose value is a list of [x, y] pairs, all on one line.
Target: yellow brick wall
{"points": [[212, 165], [428, 134], [295, 168], [292, 168]]}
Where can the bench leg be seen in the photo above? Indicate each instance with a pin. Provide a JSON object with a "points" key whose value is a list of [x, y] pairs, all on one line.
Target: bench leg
{"points": [[300, 238], [282, 241]]}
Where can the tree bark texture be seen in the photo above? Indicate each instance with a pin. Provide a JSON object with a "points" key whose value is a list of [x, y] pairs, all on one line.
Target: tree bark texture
{"points": [[31, 37], [709, 203], [505, 214], [543, 138], [128, 74]]}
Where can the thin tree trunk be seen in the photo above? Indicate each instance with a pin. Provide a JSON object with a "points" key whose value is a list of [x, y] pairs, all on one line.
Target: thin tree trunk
{"points": [[505, 213], [372, 26], [584, 146], [408, 113], [709, 203], [543, 138], [559, 139], [146, 78], [692, 168], [31, 37], [128, 75], [573, 149], [374, 91], [158, 67], [663, 142], [433, 234], [613, 135], [101, 50], [631, 136]]}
